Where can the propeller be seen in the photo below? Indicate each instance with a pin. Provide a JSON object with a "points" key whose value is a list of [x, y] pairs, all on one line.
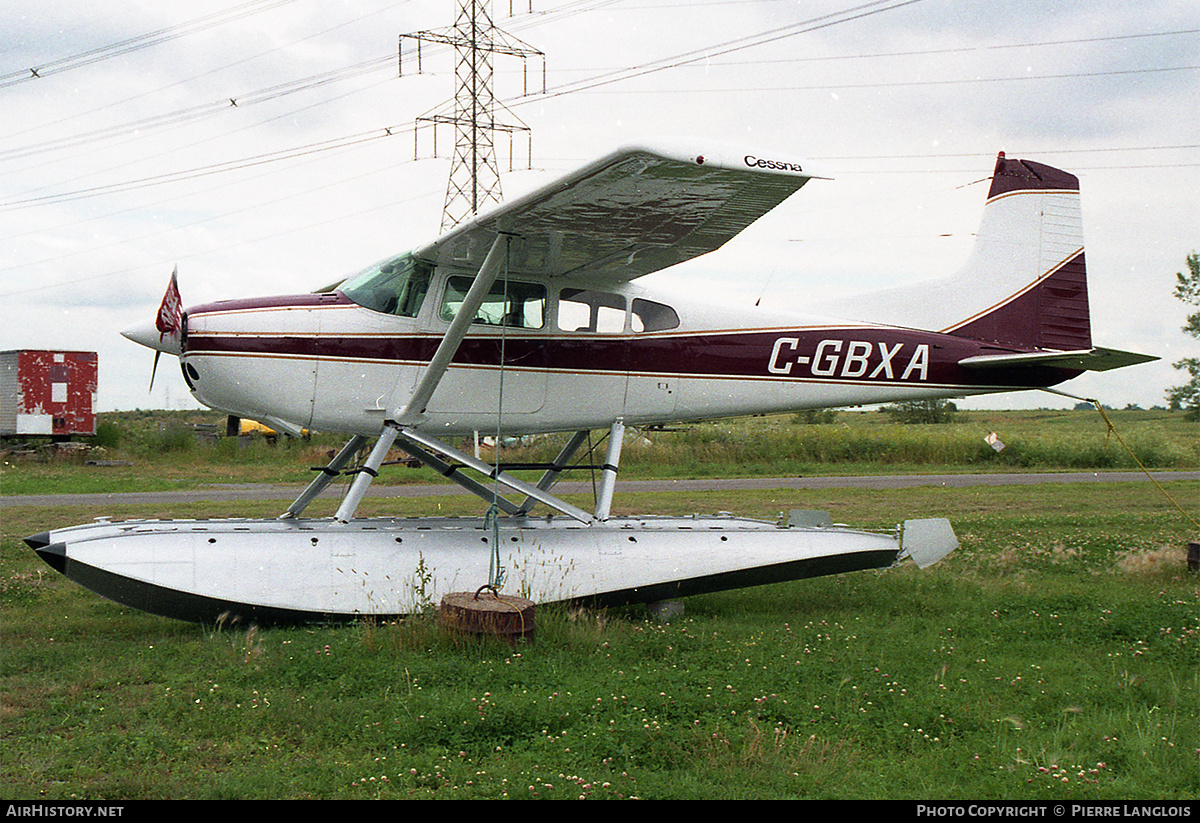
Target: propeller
{"points": [[164, 334]]}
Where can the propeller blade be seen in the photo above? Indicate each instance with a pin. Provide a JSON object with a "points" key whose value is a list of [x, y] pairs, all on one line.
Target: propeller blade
{"points": [[154, 369]]}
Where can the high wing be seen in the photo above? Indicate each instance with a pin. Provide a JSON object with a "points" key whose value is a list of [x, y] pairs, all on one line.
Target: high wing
{"points": [[638, 210]]}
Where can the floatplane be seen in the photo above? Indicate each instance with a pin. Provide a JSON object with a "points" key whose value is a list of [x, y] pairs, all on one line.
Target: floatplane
{"points": [[529, 320]]}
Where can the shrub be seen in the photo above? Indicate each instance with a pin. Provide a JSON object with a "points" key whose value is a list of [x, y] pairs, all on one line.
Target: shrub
{"points": [[922, 411], [108, 436], [814, 416]]}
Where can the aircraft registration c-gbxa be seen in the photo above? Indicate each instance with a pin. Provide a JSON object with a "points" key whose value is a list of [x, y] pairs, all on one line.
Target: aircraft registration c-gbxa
{"points": [[528, 320]]}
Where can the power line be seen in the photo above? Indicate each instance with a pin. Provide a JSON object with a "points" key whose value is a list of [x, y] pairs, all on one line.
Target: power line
{"points": [[141, 41], [898, 83], [738, 44], [203, 110], [216, 168], [208, 109], [825, 58], [822, 21], [388, 131], [240, 61], [818, 22]]}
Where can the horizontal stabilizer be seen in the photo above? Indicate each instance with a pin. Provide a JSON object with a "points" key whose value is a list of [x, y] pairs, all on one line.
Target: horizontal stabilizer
{"points": [[1094, 359]]}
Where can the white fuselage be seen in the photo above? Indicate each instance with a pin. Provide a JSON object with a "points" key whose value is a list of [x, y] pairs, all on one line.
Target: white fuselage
{"points": [[325, 362]]}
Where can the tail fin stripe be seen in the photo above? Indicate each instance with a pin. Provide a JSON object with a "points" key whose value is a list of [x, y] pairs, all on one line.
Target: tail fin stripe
{"points": [[1063, 290]]}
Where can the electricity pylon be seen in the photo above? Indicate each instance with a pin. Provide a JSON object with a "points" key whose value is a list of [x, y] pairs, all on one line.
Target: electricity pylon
{"points": [[474, 172]]}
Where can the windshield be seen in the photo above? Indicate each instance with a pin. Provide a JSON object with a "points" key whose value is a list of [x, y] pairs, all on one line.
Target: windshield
{"points": [[395, 286]]}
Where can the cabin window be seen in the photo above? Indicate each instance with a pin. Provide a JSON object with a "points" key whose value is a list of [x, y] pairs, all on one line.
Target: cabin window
{"points": [[650, 316], [397, 286], [594, 311], [512, 303]]}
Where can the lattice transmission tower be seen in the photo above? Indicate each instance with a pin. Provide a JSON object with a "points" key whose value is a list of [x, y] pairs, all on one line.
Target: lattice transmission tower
{"points": [[474, 171]]}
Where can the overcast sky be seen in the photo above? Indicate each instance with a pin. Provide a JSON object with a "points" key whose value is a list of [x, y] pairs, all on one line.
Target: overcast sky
{"points": [[267, 147]]}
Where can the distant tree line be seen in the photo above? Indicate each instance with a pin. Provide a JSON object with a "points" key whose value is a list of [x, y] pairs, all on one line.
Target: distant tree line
{"points": [[922, 411]]}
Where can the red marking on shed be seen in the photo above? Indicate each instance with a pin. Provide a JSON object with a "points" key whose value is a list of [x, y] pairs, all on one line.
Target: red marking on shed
{"points": [[48, 392]]}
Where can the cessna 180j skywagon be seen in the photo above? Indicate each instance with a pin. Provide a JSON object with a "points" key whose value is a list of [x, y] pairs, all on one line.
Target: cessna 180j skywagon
{"points": [[528, 320]]}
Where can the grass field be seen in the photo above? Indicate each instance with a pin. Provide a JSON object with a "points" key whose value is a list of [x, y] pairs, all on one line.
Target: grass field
{"points": [[158, 451], [1054, 655]]}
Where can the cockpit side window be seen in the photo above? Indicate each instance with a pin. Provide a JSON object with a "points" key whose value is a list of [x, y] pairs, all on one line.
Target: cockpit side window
{"points": [[512, 303], [650, 316], [397, 286], [592, 311]]}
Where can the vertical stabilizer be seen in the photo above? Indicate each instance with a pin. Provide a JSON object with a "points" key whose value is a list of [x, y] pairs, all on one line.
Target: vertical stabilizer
{"points": [[1024, 285]]}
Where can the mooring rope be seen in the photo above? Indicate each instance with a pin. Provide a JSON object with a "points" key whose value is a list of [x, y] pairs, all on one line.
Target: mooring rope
{"points": [[495, 573], [1112, 430]]}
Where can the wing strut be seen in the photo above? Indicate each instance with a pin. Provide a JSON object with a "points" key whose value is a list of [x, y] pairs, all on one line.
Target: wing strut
{"points": [[414, 410]]}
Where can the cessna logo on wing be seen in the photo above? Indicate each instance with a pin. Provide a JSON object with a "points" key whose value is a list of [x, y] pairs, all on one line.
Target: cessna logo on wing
{"points": [[762, 163], [851, 359]]}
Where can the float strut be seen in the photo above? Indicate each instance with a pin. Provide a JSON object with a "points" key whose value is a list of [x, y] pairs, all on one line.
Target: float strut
{"points": [[325, 477], [608, 476], [556, 468], [368, 471]]}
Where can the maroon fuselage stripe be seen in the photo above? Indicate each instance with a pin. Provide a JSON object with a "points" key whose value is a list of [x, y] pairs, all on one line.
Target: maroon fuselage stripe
{"points": [[828, 353]]}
